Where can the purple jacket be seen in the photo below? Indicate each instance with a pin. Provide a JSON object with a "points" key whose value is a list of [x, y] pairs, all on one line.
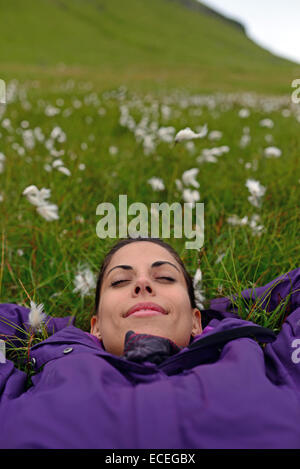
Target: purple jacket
{"points": [[222, 391]]}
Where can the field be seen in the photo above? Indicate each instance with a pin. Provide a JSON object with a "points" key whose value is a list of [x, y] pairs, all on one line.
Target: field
{"points": [[89, 136]]}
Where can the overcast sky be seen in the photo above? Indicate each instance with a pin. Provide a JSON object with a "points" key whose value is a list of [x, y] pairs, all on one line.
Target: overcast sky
{"points": [[273, 24]]}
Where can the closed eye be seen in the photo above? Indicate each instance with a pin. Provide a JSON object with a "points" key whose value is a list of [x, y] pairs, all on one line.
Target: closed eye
{"points": [[167, 278], [117, 282]]}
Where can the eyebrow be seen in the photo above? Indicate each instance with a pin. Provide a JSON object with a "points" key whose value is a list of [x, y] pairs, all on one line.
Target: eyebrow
{"points": [[154, 264]]}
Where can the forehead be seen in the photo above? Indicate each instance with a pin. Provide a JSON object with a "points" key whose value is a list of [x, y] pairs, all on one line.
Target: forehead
{"points": [[141, 252]]}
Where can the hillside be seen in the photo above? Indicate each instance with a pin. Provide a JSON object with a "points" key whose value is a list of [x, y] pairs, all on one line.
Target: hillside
{"points": [[169, 40]]}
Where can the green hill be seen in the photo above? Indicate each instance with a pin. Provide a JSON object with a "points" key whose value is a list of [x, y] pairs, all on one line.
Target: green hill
{"points": [[176, 42]]}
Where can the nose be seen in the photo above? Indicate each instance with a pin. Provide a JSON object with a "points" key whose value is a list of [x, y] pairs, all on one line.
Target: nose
{"points": [[142, 286]]}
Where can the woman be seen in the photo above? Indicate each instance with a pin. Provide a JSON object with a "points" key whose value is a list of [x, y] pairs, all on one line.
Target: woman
{"points": [[151, 373]]}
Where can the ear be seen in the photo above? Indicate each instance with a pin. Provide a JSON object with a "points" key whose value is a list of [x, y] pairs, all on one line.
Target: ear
{"points": [[95, 327], [197, 326]]}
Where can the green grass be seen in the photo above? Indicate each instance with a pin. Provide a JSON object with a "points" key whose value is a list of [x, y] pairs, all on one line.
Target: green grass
{"points": [[145, 44], [52, 250]]}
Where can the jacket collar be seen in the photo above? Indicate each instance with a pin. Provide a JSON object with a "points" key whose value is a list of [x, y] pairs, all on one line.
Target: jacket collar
{"points": [[202, 348]]}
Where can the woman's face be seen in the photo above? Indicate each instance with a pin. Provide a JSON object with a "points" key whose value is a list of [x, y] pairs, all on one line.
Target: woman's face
{"points": [[144, 272]]}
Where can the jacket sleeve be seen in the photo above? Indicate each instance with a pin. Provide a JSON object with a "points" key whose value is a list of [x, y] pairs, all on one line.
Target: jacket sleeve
{"points": [[14, 327], [269, 296], [14, 323], [282, 355], [12, 381], [285, 350]]}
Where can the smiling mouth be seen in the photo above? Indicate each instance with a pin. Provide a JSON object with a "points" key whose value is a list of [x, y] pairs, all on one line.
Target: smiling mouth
{"points": [[145, 308], [146, 312]]}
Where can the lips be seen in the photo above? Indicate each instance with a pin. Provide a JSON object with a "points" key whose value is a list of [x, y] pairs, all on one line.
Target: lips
{"points": [[146, 306]]}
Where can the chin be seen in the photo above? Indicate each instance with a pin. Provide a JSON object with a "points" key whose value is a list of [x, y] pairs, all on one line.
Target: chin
{"points": [[149, 329]]}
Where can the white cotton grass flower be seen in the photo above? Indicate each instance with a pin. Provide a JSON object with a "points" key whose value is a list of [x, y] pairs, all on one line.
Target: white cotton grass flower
{"points": [[190, 196], [215, 135], [48, 167], [188, 177], [84, 281], [220, 257], [272, 152], [210, 155], [6, 123], [269, 138], [113, 150], [24, 124], [244, 113], [57, 163], [35, 196], [207, 158], [198, 292], [38, 198], [245, 140], [58, 134], [101, 111], [36, 316], [28, 139], [236, 221], [189, 134], [57, 153], [256, 229], [79, 218], [51, 111], [2, 159], [256, 190], [251, 165], [179, 184], [156, 184], [49, 144], [64, 170], [38, 134], [48, 211], [166, 134], [197, 277], [190, 146], [267, 123]]}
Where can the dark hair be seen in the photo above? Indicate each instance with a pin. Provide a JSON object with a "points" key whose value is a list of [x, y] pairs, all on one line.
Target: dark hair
{"points": [[124, 242]]}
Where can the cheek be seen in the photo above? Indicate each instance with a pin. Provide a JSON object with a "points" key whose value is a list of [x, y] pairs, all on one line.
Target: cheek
{"points": [[110, 308], [180, 296], [110, 299]]}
